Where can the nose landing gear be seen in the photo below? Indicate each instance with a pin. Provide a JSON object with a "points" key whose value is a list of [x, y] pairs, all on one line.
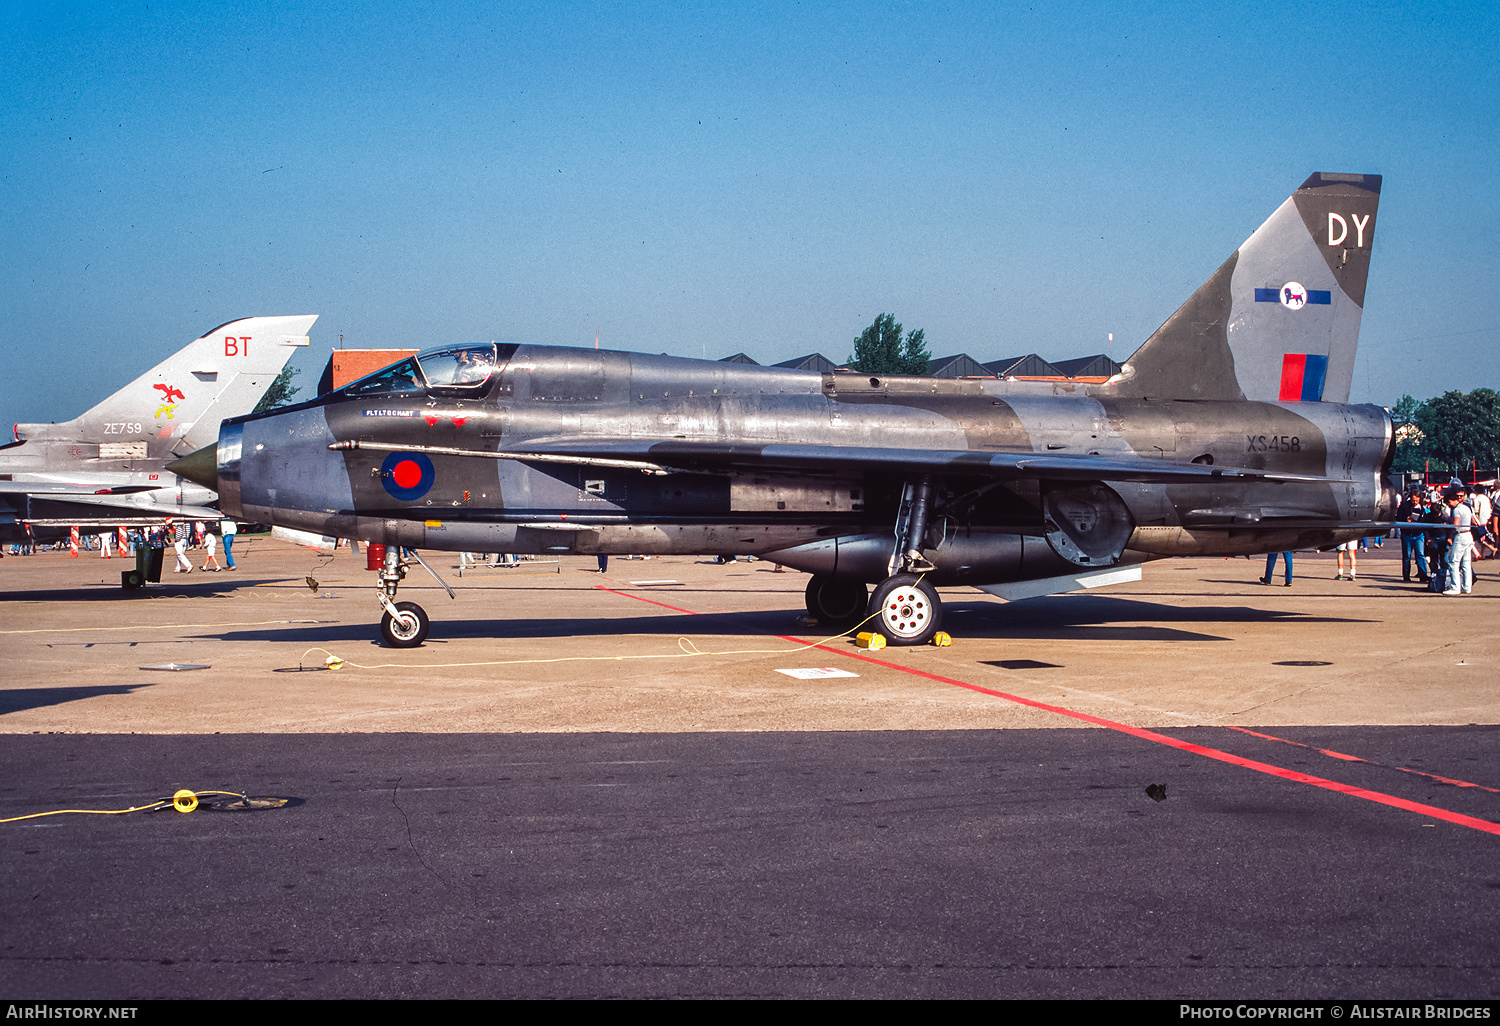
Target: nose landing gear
{"points": [[405, 624], [406, 627]]}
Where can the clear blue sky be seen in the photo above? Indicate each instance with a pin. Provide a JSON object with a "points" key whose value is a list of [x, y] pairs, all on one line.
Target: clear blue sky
{"points": [[701, 179]]}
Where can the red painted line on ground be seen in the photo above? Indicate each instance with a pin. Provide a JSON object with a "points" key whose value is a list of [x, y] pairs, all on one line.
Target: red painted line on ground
{"points": [[626, 594], [1322, 751], [1296, 776], [1372, 762], [1447, 780], [1186, 746]]}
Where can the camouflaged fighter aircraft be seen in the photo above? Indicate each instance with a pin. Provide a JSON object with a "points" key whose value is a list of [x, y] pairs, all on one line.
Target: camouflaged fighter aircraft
{"points": [[107, 467], [1225, 433]]}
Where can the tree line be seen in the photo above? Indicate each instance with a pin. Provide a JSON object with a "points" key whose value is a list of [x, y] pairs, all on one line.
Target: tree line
{"points": [[1450, 433]]}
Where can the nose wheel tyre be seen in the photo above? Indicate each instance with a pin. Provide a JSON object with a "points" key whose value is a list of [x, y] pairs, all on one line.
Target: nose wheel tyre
{"points": [[907, 610], [837, 603], [408, 628]]}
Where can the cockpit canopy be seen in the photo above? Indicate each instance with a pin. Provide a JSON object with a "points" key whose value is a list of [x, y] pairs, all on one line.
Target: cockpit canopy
{"points": [[451, 370], [458, 366]]}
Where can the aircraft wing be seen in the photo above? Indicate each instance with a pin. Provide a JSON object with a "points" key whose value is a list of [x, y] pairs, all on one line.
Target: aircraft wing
{"points": [[122, 501], [71, 492], [123, 504], [682, 456]]}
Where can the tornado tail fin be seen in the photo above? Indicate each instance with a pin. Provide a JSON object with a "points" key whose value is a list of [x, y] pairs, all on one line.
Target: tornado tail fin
{"points": [[176, 406]]}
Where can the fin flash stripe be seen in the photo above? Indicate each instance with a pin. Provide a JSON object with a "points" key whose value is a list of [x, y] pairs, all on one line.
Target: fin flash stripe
{"points": [[1302, 377]]}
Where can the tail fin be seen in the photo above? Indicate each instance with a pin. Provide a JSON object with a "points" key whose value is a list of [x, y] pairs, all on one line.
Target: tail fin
{"points": [[175, 407], [1280, 319]]}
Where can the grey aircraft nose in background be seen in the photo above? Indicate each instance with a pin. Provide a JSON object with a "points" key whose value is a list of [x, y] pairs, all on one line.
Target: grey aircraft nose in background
{"points": [[1227, 432]]}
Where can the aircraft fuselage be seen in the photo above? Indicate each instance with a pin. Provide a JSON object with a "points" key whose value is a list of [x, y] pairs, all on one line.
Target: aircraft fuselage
{"points": [[413, 489]]}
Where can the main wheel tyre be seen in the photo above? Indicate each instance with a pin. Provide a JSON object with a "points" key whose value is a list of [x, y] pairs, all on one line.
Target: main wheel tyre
{"points": [[907, 610], [837, 602], [408, 628]]}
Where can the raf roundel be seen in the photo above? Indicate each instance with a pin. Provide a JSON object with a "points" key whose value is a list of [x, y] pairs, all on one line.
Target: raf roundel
{"points": [[406, 475]]}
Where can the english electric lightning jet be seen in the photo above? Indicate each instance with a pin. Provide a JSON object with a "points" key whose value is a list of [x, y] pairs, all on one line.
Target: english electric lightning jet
{"points": [[108, 467], [1227, 432]]}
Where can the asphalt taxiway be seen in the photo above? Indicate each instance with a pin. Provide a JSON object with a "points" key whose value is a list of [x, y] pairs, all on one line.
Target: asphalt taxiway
{"points": [[600, 784]]}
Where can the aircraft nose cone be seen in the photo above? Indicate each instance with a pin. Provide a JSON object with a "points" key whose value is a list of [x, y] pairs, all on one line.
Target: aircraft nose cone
{"points": [[200, 467]]}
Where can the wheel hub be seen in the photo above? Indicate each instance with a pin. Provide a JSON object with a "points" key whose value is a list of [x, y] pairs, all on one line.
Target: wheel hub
{"points": [[906, 612]]}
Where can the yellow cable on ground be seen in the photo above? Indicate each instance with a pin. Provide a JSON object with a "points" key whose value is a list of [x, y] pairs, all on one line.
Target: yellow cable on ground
{"points": [[92, 812], [183, 801]]}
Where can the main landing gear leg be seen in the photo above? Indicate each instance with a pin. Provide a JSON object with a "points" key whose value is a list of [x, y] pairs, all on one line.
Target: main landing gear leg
{"points": [[905, 605], [405, 624]]}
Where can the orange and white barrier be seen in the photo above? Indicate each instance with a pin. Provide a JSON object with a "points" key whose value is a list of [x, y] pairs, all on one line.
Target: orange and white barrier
{"points": [[73, 542]]}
